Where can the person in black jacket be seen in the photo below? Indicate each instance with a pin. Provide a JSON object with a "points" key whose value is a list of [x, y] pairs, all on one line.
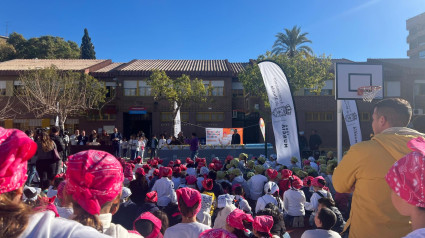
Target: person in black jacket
{"points": [[315, 141], [60, 146], [82, 139], [116, 139], [236, 138]]}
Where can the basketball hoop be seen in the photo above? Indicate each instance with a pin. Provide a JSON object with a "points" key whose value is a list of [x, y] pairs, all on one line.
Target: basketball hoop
{"points": [[368, 93]]}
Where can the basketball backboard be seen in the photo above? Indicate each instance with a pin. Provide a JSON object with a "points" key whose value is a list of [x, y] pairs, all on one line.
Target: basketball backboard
{"points": [[350, 76]]}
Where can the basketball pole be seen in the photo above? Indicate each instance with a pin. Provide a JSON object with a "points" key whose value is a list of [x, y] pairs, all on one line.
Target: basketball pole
{"points": [[339, 129]]}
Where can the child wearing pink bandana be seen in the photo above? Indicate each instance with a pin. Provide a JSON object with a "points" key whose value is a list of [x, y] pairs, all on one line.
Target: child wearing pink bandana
{"points": [[94, 182], [407, 182], [17, 219], [189, 201]]}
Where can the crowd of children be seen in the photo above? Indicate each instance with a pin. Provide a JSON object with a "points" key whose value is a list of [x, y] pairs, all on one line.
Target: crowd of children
{"points": [[101, 195]]}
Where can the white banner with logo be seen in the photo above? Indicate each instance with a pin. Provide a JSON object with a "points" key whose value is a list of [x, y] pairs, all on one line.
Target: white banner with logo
{"points": [[177, 122], [351, 117], [283, 113]]}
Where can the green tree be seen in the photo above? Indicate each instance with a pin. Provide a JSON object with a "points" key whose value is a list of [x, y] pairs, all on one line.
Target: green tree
{"points": [[44, 47], [7, 51], [302, 71], [180, 91], [54, 92], [87, 48], [291, 42]]}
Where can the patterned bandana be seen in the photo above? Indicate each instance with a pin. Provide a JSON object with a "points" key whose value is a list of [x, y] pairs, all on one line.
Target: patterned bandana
{"points": [[151, 197], [316, 183], [236, 218], [307, 180], [270, 188], [297, 183], [166, 171], [93, 178], [140, 171], [156, 222], [16, 149], [216, 233], [207, 184], [263, 224], [190, 180], [271, 173], [406, 176], [190, 197]]}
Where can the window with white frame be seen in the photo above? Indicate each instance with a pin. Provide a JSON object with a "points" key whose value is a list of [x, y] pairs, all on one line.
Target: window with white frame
{"points": [[130, 88], [218, 87], [144, 89], [419, 87]]}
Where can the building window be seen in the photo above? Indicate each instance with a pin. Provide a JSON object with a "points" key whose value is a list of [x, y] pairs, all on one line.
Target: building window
{"points": [[422, 54], [419, 87], [237, 92], [327, 90], [364, 116], [168, 116], [130, 88], [217, 85], [17, 86], [209, 116], [2, 88], [319, 116], [144, 89], [110, 88]]}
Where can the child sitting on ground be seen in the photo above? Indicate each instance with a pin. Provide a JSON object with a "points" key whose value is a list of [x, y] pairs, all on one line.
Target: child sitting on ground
{"points": [[329, 203], [324, 219]]}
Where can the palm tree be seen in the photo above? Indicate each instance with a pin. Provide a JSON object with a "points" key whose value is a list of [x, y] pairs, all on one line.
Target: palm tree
{"points": [[290, 42]]}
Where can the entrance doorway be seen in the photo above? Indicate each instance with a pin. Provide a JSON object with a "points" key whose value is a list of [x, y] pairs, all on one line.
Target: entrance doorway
{"points": [[133, 124]]}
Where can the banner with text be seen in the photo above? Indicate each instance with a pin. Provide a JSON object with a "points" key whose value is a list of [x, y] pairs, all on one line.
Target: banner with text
{"points": [[351, 117], [283, 113], [222, 136]]}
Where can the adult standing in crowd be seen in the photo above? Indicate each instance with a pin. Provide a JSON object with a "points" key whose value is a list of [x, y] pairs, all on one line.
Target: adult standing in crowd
{"points": [[303, 144], [73, 139], [194, 145], [180, 137], [116, 139], [153, 145], [236, 138], [46, 164], [363, 169], [82, 139], [60, 146], [315, 140]]}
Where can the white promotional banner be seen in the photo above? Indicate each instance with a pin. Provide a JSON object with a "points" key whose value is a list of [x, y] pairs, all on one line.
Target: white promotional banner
{"points": [[177, 122], [283, 113], [351, 117]]}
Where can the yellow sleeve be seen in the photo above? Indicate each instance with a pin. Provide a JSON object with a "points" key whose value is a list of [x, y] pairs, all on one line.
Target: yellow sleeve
{"points": [[345, 174]]}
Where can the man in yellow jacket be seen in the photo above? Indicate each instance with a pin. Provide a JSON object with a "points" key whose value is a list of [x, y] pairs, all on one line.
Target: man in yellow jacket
{"points": [[363, 169]]}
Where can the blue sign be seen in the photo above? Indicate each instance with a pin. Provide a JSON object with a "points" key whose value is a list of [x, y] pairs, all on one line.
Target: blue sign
{"points": [[137, 112]]}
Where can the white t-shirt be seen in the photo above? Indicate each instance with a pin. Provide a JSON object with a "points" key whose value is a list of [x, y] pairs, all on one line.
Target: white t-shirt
{"points": [[293, 201], [419, 233], [44, 224], [134, 145], [314, 200], [73, 139], [161, 143], [165, 189], [263, 201], [65, 212], [187, 230], [256, 185], [320, 233]]}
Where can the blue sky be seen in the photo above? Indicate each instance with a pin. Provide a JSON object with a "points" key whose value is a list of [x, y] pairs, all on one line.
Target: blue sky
{"points": [[237, 30]]}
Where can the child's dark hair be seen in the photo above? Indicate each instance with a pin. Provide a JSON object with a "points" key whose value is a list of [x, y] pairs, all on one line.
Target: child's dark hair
{"points": [[57, 181], [212, 175], [327, 217], [164, 220], [238, 191], [272, 210], [327, 202], [187, 211]]}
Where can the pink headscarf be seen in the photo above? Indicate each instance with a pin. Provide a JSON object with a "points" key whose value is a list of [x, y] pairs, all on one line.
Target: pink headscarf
{"points": [[16, 149], [61, 187], [271, 173], [316, 183], [93, 178], [236, 218], [128, 171], [297, 183], [207, 184], [151, 197], [191, 179], [307, 180], [216, 233], [286, 173], [47, 204], [190, 198], [166, 171], [263, 224], [406, 176], [157, 224], [140, 171]]}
